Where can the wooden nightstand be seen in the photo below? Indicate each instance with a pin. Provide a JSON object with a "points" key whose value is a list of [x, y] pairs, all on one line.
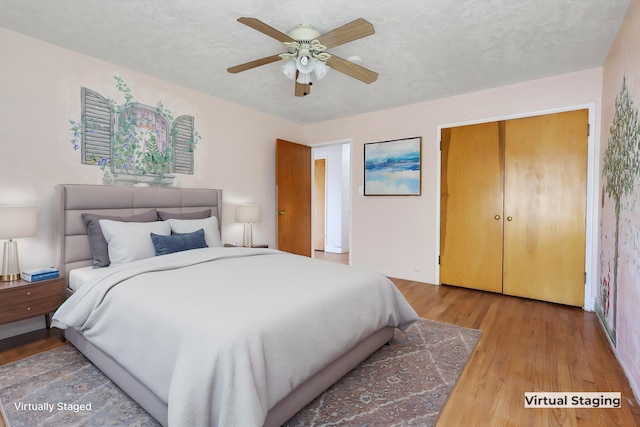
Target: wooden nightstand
{"points": [[20, 299]]}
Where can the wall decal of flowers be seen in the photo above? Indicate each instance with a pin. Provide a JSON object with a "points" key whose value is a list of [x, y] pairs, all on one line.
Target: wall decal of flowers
{"points": [[133, 142]]}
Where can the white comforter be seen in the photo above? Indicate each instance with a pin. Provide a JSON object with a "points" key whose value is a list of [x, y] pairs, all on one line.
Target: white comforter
{"points": [[223, 334]]}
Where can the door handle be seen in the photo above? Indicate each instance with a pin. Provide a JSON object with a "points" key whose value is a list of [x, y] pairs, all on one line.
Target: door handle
{"points": [[497, 217], [509, 218], [281, 212]]}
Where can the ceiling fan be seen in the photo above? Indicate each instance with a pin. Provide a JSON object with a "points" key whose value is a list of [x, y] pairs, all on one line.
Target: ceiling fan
{"points": [[306, 52]]}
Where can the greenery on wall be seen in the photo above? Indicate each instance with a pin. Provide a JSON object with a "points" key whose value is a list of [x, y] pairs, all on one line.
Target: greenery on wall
{"points": [[133, 141], [621, 167]]}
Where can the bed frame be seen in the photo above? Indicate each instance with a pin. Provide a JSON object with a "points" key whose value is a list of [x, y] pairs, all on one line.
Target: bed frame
{"points": [[72, 251]]}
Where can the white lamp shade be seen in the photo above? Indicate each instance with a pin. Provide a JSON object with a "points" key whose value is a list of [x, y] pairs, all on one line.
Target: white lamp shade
{"points": [[304, 78], [289, 69], [320, 69], [16, 222], [249, 214], [305, 63]]}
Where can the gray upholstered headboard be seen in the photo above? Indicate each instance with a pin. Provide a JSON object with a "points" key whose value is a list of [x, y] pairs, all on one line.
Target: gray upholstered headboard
{"points": [[72, 200]]}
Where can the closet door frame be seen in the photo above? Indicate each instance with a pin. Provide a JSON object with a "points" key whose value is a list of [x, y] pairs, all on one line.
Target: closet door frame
{"points": [[591, 265]]}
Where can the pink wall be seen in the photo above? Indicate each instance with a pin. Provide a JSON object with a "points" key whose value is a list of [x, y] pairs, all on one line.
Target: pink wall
{"points": [[40, 86], [623, 61], [399, 235]]}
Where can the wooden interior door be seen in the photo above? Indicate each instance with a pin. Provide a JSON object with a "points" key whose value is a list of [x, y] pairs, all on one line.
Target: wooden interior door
{"points": [[293, 188], [545, 207], [320, 204], [471, 207]]}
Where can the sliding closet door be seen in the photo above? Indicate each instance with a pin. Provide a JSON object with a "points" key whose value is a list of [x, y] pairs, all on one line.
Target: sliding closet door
{"points": [[545, 207], [471, 207]]}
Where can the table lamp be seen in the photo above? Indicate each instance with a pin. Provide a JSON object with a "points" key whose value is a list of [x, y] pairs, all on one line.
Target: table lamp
{"points": [[248, 214], [15, 222]]}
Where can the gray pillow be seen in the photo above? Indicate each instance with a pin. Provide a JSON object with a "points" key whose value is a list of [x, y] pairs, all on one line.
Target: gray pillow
{"points": [[97, 242], [164, 215]]}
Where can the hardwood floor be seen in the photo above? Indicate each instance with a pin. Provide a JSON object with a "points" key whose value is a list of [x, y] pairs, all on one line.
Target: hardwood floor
{"points": [[21, 346], [525, 346], [329, 256]]}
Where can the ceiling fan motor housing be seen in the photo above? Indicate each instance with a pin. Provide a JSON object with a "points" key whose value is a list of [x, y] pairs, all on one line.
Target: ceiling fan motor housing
{"points": [[304, 33]]}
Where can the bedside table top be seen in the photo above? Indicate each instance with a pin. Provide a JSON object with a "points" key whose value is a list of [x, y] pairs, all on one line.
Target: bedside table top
{"points": [[18, 283]]}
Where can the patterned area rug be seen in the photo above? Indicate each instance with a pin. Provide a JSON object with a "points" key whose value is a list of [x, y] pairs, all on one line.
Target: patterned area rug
{"points": [[54, 389], [403, 384], [406, 383]]}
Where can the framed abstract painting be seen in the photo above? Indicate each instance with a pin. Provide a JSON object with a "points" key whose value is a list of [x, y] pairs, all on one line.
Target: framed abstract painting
{"points": [[393, 168]]}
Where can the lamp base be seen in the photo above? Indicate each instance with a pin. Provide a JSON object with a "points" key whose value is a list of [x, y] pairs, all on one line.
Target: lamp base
{"points": [[10, 263], [247, 239]]}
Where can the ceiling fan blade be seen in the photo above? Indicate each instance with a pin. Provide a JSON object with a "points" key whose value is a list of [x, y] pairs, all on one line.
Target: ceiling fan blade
{"points": [[258, 25], [354, 30], [354, 70], [253, 64]]}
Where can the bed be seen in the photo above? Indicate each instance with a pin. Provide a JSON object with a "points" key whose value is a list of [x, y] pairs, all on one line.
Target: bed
{"points": [[215, 336]]}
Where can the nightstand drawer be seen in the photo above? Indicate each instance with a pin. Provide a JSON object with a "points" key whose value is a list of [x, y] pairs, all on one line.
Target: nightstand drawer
{"points": [[30, 300]]}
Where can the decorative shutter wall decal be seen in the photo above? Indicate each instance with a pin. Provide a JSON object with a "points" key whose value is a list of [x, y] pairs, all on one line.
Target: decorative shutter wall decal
{"points": [[97, 127], [183, 130]]}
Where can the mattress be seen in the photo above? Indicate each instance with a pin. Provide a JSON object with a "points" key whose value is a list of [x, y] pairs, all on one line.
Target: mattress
{"points": [[80, 276]]}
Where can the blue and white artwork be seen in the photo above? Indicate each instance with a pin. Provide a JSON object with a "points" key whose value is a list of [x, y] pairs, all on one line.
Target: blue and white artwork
{"points": [[392, 167]]}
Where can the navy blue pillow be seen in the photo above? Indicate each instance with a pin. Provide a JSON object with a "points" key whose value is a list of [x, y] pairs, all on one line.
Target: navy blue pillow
{"points": [[178, 242]]}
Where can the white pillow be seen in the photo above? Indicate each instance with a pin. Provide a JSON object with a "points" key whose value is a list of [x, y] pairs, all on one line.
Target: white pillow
{"points": [[210, 226], [130, 241]]}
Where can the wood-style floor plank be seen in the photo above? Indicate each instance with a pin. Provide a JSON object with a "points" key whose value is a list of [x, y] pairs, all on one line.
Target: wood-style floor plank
{"points": [[21, 346], [525, 346], [333, 257]]}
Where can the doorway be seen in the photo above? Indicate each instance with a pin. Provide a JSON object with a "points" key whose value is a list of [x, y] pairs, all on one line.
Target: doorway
{"points": [[332, 202], [320, 204]]}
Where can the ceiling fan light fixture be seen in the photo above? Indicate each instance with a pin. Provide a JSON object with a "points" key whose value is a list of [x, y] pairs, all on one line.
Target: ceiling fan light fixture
{"points": [[304, 78], [305, 64], [320, 69], [305, 61], [289, 69]]}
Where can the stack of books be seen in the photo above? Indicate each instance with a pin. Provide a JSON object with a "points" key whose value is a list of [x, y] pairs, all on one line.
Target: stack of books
{"points": [[42, 274]]}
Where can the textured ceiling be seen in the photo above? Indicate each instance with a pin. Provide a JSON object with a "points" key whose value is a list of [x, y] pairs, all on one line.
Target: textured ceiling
{"points": [[422, 50]]}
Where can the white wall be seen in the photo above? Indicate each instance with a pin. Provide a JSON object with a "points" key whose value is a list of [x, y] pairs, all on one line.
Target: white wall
{"points": [[40, 92], [337, 196], [399, 235], [346, 198]]}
